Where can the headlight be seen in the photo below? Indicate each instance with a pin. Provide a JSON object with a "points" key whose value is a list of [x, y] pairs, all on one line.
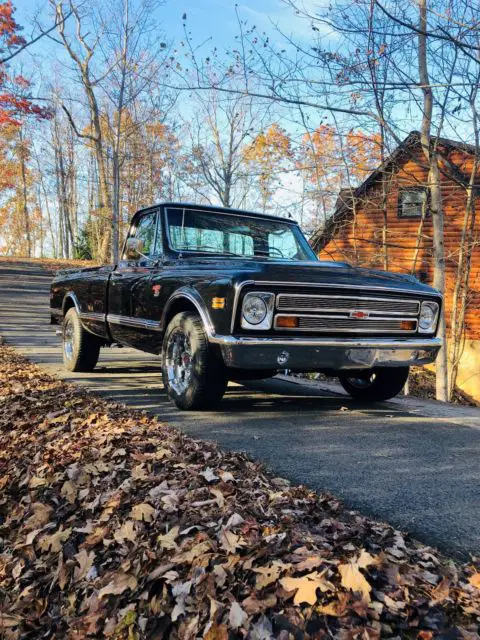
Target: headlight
{"points": [[427, 322], [257, 310]]}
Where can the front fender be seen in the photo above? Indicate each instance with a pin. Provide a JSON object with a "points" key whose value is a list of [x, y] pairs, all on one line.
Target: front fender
{"points": [[192, 295]]}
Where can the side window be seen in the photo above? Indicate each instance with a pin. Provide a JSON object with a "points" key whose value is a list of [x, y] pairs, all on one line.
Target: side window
{"points": [[146, 233], [282, 245]]}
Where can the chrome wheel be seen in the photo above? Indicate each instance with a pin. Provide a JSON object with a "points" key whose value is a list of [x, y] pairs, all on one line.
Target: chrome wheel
{"points": [[68, 339], [178, 361]]}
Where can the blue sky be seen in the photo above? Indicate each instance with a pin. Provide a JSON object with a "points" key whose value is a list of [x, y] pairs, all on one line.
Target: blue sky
{"points": [[215, 19]]}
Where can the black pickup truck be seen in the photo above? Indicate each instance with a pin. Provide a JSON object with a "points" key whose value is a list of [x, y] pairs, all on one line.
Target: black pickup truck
{"points": [[232, 295]]}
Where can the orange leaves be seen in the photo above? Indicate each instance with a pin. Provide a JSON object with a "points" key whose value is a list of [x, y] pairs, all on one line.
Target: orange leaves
{"points": [[268, 152], [331, 160], [13, 106], [8, 26]]}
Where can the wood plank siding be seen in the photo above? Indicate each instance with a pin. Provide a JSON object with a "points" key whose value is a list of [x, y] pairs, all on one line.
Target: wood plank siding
{"points": [[355, 233]]}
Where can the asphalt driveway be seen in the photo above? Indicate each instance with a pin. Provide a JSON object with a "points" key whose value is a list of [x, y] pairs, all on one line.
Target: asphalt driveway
{"points": [[414, 464]]}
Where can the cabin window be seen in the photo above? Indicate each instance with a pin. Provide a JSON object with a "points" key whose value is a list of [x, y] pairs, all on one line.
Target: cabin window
{"points": [[145, 232], [412, 202]]}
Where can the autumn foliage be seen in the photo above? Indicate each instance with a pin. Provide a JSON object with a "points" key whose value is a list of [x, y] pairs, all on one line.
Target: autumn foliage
{"points": [[14, 100], [331, 162], [268, 153]]}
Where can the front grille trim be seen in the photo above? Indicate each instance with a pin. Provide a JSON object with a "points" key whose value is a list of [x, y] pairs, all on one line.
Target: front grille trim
{"points": [[343, 324], [390, 306]]}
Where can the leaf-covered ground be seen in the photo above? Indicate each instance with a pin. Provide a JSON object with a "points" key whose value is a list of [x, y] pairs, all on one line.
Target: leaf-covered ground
{"points": [[114, 525], [52, 264]]}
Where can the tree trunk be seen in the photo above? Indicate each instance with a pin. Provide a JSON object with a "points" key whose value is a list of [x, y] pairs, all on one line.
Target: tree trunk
{"points": [[436, 207], [24, 200]]}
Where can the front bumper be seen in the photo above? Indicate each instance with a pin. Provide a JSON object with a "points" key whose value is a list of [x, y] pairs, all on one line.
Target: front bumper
{"points": [[311, 354]]}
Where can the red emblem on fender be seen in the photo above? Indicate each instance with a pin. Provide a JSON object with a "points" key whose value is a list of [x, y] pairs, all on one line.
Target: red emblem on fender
{"points": [[156, 290], [359, 315]]}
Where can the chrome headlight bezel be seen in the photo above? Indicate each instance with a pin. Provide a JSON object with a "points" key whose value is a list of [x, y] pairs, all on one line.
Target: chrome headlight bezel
{"points": [[429, 312], [268, 300]]}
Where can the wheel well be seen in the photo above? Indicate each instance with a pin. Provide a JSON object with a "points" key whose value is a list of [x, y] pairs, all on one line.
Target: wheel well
{"points": [[68, 304], [178, 306]]}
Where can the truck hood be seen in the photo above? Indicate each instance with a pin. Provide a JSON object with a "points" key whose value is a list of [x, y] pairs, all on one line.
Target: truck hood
{"points": [[308, 272]]}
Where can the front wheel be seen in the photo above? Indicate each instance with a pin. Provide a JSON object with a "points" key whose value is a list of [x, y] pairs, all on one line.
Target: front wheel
{"points": [[193, 376], [375, 385]]}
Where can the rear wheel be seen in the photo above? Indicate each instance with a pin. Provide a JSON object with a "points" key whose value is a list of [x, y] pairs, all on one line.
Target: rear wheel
{"points": [[193, 375], [80, 348], [375, 385]]}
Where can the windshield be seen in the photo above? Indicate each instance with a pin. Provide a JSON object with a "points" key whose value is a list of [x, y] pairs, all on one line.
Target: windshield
{"points": [[235, 235]]}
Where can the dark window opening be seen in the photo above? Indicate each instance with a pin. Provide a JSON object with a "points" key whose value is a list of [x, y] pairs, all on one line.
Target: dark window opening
{"points": [[412, 202]]}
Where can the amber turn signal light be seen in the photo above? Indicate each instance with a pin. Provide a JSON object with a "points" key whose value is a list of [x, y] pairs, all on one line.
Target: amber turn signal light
{"points": [[287, 322], [218, 303], [407, 325]]}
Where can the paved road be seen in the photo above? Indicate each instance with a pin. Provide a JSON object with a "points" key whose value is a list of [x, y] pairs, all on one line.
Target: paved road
{"points": [[414, 465]]}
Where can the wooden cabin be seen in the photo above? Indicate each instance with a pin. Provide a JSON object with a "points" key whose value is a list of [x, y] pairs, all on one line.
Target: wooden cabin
{"points": [[385, 223]]}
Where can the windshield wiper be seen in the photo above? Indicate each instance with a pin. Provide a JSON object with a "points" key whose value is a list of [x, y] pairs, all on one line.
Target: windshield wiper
{"points": [[212, 252]]}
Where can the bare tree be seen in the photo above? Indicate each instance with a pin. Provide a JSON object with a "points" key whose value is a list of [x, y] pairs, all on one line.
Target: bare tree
{"points": [[218, 133], [82, 54]]}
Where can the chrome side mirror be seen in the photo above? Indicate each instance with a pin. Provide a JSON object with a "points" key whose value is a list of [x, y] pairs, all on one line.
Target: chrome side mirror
{"points": [[133, 249]]}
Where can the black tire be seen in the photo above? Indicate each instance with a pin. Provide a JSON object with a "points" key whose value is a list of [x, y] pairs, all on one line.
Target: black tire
{"points": [[375, 385], [79, 347], [194, 377]]}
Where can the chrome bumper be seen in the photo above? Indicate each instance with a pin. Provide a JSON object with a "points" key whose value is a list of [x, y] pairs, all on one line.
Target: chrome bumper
{"points": [[310, 354]]}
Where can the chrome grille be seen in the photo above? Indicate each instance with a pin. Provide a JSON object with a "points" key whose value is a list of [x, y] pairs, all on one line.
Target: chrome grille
{"points": [[389, 306], [351, 325]]}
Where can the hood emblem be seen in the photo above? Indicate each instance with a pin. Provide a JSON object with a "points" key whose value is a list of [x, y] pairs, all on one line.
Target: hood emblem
{"points": [[156, 290], [359, 315]]}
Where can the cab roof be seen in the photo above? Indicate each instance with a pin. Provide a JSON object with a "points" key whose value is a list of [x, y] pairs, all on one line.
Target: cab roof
{"points": [[217, 209]]}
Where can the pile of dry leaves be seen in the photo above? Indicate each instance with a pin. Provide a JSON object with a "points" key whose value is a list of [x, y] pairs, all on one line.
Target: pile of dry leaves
{"points": [[52, 264], [113, 525]]}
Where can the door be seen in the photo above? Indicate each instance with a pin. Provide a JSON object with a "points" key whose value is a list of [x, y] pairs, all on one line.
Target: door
{"points": [[129, 285]]}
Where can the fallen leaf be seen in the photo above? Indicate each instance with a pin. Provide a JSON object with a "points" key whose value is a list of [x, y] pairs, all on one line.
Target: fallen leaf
{"points": [[125, 532], [254, 605], [209, 475], [195, 552], [267, 575], [364, 560], [118, 584], [475, 580], [306, 587], [354, 580], [230, 541], [41, 514], [142, 511], [309, 563], [237, 617], [441, 591], [85, 561], [69, 491], [37, 482], [167, 540], [330, 609], [54, 542], [219, 497]]}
